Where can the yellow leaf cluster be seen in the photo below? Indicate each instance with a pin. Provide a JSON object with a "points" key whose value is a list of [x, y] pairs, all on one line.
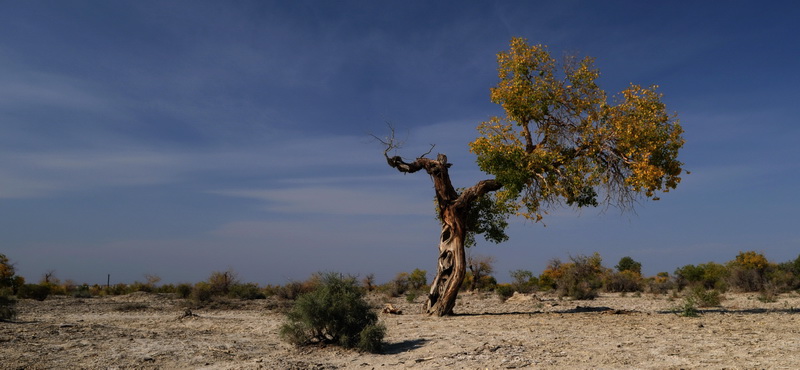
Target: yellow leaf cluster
{"points": [[560, 138]]}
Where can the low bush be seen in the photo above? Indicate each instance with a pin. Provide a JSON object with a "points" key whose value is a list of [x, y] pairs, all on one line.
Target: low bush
{"points": [[398, 286], [704, 297], [246, 291], [38, 292], [8, 305], [335, 313], [202, 292], [688, 308], [82, 291], [524, 281], [660, 284], [581, 278], [184, 290], [294, 290], [504, 291], [625, 281]]}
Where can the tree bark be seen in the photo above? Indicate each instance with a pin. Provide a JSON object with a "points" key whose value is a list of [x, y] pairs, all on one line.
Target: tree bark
{"points": [[453, 211], [451, 267]]}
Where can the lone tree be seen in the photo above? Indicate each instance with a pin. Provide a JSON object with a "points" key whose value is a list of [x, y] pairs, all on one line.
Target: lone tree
{"points": [[560, 142]]}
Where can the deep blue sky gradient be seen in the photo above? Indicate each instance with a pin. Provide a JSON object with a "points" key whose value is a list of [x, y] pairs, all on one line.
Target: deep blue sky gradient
{"points": [[177, 138]]}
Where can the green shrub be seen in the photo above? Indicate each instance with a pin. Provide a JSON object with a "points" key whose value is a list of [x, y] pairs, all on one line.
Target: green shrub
{"points": [[624, 281], [504, 291], [8, 309], [660, 284], [246, 291], [295, 289], [524, 281], [629, 264], [118, 289], [184, 290], [222, 281], [418, 279], [369, 282], [582, 278], [412, 296], [709, 275], [202, 292], [336, 313], [688, 308], [82, 291], [38, 292], [399, 285], [704, 297]]}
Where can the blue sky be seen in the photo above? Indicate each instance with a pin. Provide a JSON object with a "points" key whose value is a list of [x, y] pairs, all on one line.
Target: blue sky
{"points": [[178, 138]]}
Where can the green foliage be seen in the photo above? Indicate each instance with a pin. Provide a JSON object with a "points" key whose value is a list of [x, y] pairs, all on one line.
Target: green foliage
{"points": [[38, 292], [369, 282], [582, 277], [293, 290], [202, 292], [524, 281], [749, 271], [8, 278], [504, 291], [485, 283], [488, 218], [247, 291], [222, 281], [629, 264], [336, 313], [82, 291], [624, 281], [688, 308], [398, 286], [708, 275], [8, 309], [704, 297], [184, 290], [418, 279], [479, 275], [660, 284], [561, 140]]}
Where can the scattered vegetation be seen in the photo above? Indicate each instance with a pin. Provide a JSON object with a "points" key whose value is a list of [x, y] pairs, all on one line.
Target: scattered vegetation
{"points": [[504, 291], [479, 277], [582, 277], [8, 284], [334, 313], [523, 281], [38, 292]]}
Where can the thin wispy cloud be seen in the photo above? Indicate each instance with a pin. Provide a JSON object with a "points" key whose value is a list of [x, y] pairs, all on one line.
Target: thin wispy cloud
{"points": [[336, 201], [235, 128]]}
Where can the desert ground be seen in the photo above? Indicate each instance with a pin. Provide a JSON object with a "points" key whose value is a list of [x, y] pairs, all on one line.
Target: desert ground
{"points": [[153, 331]]}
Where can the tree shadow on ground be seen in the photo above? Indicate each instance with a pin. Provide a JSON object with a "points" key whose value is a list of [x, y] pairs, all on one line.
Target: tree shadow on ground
{"points": [[749, 311], [514, 313], [404, 346]]}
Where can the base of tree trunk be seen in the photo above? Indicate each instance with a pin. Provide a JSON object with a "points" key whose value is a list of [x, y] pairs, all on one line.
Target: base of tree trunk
{"points": [[451, 271]]}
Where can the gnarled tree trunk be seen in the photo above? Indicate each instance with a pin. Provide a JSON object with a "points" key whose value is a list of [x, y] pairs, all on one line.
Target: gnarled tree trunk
{"points": [[453, 211], [452, 266]]}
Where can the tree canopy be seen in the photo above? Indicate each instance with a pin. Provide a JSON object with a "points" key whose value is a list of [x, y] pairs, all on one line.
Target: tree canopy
{"points": [[562, 141]]}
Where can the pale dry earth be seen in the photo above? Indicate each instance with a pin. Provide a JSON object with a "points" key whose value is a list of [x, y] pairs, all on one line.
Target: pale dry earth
{"points": [[147, 331]]}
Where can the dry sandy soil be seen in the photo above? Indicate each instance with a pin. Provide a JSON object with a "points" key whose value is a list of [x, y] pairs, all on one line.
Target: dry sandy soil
{"points": [[147, 331]]}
